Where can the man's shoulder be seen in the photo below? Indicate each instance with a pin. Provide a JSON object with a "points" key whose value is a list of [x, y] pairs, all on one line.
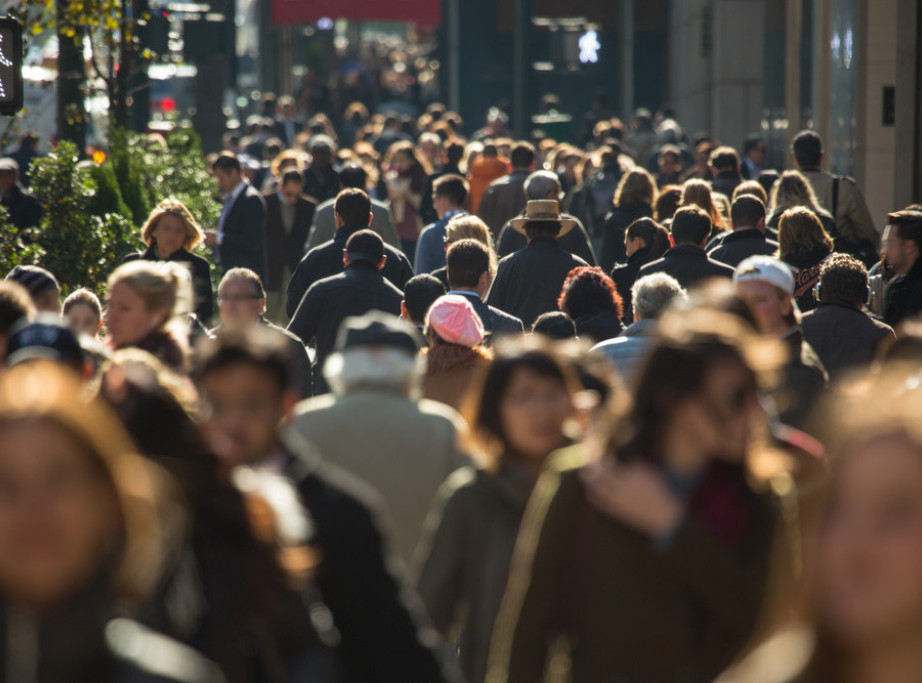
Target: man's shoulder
{"points": [[652, 267]]}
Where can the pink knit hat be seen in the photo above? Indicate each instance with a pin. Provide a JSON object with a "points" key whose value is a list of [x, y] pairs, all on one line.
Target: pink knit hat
{"points": [[454, 319]]}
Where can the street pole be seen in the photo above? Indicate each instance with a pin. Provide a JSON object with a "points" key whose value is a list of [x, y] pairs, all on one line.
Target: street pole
{"points": [[627, 59], [521, 66]]}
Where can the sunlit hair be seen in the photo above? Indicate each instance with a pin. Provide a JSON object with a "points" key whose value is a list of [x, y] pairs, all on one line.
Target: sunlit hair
{"points": [[467, 227], [690, 344], [800, 231], [173, 207], [44, 393], [698, 193], [83, 297], [753, 188], [668, 200], [488, 440], [793, 189], [290, 159], [165, 287], [374, 368], [636, 186], [588, 291]]}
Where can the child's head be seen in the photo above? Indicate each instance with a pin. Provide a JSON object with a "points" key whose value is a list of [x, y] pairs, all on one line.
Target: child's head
{"points": [[83, 312]]}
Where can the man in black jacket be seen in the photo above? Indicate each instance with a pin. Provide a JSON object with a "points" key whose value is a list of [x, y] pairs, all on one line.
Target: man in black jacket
{"points": [[528, 282], [747, 216], [289, 214], [353, 213], [544, 185], [686, 261], [902, 248], [24, 209], [359, 289], [843, 335], [379, 639], [240, 238], [725, 167], [469, 275]]}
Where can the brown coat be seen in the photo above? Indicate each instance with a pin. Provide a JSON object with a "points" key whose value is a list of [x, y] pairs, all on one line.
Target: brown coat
{"points": [[626, 608], [450, 369], [853, 220]]}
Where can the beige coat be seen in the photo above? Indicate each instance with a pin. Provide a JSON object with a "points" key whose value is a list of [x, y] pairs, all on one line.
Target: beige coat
{"points": [[853, 220], [401, 448]]}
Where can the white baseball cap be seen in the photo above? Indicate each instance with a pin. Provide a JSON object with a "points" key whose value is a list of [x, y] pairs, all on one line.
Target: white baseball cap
{"points": [[765, 269]]}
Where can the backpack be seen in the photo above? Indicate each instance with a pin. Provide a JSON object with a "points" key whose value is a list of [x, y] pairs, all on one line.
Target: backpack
{"points": [[862, 249]]}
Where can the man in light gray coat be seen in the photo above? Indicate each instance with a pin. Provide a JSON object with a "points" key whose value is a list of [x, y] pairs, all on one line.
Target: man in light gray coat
{"points": [[652, 295], [375, 426], [324, 225]]}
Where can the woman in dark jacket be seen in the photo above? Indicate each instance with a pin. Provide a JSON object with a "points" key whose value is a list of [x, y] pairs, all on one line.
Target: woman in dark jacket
{"points": [[645, 241], [463, 559], [171, 234], [86, 529], [804, 245], [589, 297], [650, 561], [633, 199]]}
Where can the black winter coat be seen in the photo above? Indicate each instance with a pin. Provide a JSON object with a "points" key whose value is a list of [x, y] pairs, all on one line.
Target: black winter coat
{"points": [[616, 224], [625, 275], [327, 260], [575, 242], [843, 336], [734, 247], [688, 264], [904, 296]]}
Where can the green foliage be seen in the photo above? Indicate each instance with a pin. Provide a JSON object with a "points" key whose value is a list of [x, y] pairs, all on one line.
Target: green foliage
{"points": [[80, 248], [129, 172], [17, 246], [108, 198]]}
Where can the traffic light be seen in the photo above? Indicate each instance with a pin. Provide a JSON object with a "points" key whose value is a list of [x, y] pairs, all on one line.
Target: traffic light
{"points": [[10, 66]]}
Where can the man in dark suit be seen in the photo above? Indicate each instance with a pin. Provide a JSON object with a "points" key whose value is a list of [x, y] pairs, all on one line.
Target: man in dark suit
{"points": [[353, 213], [528, 282], [240, 240], [242, 304], [469, 274], [360, 288], [287, 126], [289, 213], [687, 261]]}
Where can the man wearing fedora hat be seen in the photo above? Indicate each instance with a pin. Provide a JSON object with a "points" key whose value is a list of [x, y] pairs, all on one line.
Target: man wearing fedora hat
{"points": [[528, 282], [546, 185]]}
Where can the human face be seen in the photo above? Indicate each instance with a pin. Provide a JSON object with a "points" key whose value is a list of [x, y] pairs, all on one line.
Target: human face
{"points": [[291, 191], [242, 409], [227, 180], [128, 320], [869, 559], [239, 305], [768, 304], [668, 164], [533, 410], [719, 419], [758, 154], [7, 181], [170, 235], [83, 320], [403, 161], [58, 514], [900, 254]]}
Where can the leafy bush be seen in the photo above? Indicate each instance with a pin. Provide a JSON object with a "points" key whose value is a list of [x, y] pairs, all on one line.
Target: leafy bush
{"points": [[108, 197], [17, 246], [80, 248]]}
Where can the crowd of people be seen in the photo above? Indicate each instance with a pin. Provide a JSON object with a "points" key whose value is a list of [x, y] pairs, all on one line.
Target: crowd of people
{"points": [[473, 409]]}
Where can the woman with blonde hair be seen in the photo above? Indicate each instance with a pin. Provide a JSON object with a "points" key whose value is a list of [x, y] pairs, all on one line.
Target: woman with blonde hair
{"points": [[143, 301], [698, 193], [171, 233], [804, 245], [792, 189], [633, 199]]}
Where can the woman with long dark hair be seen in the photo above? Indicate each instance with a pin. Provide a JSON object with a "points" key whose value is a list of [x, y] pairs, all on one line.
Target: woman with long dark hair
{"points": [[518, 419], [650, 562], [645, 240]]}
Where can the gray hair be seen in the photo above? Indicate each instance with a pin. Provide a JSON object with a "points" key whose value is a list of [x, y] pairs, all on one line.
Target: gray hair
{"points": [[540, 184], [653, 294], [370, 367]]}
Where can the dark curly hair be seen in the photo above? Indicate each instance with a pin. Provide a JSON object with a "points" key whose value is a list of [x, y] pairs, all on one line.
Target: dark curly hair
{"points": [[588, 291]]}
